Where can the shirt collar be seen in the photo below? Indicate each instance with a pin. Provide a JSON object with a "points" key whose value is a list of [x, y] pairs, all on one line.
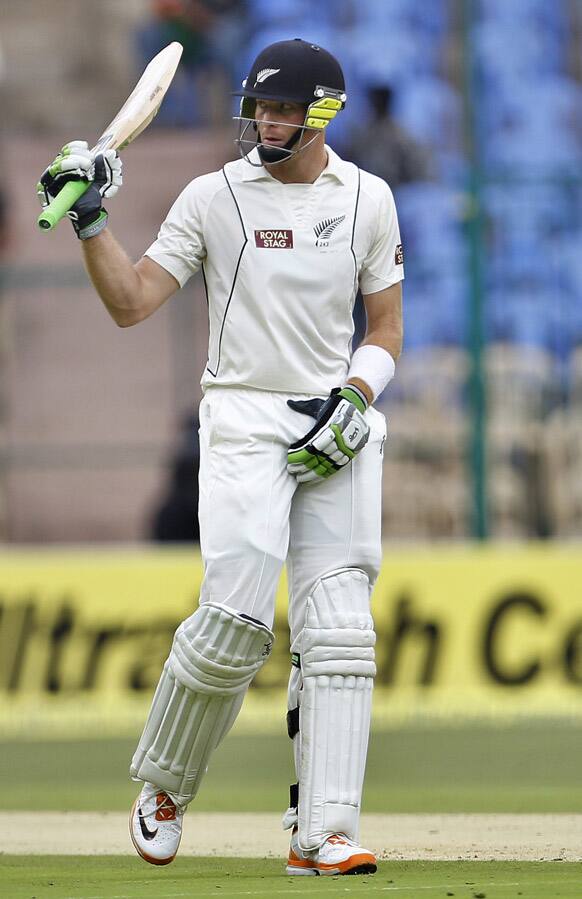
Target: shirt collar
{"points": [[254, 172], [334, 168]]}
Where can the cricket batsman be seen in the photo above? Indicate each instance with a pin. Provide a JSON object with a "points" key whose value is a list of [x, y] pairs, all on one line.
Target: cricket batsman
{"points": [[291, 444]]}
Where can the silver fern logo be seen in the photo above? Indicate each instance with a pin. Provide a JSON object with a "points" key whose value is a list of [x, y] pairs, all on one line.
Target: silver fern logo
{"points": [[264, 74], [324, 230]]}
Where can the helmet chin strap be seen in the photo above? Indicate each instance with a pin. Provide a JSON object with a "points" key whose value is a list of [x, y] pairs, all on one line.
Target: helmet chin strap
{"points": [[277, 154]]}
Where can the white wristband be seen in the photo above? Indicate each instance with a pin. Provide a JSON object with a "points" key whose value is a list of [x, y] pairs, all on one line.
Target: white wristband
{"points": [[374, 366]]}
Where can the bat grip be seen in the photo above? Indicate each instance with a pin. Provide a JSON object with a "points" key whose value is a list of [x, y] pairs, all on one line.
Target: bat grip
{"points": [[67, 197]]}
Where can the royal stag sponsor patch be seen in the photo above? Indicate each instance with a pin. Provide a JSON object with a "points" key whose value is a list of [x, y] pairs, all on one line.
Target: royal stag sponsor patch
{"points": [[399, 255], [274, 238]]}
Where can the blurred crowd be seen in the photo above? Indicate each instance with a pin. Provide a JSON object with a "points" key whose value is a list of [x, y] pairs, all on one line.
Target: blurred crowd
{"points": [[439, 92], [473, 114], [424, 81]]}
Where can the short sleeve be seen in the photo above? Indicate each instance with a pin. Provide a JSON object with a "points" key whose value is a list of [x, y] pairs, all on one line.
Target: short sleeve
{"points": [[383, 265], [180, 247]]}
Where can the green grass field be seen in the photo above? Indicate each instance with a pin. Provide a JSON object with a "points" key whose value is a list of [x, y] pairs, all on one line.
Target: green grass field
{"points": [[111, 877], [533, 768], [525, 768]]}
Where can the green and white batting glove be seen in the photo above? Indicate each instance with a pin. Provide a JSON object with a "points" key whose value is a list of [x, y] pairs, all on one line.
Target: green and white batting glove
{"points": [[339, 434], [74, 162]]}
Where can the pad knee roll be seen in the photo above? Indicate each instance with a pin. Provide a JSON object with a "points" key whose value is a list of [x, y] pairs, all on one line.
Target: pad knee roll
{"points": [[336, 650], [214, 657]]}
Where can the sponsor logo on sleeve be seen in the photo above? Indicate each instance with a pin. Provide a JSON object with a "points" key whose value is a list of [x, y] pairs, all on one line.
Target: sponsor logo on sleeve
{"points": [[399, 255], [274, 239]]}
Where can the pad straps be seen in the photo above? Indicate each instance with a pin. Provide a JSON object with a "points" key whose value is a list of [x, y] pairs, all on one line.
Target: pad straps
{"points": [[215, 655]]}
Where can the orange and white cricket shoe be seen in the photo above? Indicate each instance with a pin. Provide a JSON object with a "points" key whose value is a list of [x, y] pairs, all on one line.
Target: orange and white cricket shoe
{"points": [[337, 855], [155, 825]]}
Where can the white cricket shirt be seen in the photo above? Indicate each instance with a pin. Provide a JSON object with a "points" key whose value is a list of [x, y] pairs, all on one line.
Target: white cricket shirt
{"points": [[281, 266]]}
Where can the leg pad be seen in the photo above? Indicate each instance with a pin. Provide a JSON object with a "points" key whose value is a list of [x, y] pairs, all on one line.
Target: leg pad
{"points": [[214, 657], [336, 649]]}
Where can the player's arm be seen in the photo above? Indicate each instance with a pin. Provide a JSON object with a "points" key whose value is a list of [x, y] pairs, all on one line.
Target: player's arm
{"points": [[384, 329], [129, 292], [341, 431]]}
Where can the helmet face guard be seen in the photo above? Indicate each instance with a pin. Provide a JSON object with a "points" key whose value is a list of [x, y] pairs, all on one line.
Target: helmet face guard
{"points": [[317, 116], [293, 72]]}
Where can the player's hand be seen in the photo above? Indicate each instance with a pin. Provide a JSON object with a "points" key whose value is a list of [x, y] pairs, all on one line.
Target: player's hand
{"points": [[340, 433], [75, 162]]}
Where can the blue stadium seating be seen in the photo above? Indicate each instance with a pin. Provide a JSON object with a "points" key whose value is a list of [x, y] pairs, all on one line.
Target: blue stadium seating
{"points": [[528, 111]]}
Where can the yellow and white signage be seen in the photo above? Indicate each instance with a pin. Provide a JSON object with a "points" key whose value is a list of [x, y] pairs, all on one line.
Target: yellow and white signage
{"points": [[468, 631]]}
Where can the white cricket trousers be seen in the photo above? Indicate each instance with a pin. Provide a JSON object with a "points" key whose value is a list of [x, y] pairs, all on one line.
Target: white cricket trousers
{"points": [[254, 516]]}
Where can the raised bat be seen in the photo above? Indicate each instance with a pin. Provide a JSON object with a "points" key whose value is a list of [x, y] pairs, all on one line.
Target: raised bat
{"points": [[134, 116]]}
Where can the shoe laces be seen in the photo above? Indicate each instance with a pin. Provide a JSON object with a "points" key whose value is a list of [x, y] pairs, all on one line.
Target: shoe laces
{"points": [[165, 808], [340, 839]]}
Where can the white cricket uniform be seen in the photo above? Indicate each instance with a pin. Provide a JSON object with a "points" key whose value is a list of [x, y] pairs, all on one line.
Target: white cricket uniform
{"points": [[282, 264]]}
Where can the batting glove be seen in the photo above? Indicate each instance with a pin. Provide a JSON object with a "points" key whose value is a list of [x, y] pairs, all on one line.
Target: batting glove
{"points": [[74, 162], [339, 434]]}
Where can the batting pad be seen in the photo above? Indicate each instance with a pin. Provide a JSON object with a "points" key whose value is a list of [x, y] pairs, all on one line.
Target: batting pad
{"points": [[214, 657], [337, 664]]}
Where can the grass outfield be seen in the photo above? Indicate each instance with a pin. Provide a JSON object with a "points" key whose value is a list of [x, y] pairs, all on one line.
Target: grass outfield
{"points": [[111, 877], [534, 768]]}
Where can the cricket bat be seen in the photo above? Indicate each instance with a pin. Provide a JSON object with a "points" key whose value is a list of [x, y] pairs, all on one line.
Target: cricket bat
{"points": [[134, 116]]}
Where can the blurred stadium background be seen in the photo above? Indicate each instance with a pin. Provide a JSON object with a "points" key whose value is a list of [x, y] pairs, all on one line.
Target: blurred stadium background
{"points": [[484, 415], [478, 104]]}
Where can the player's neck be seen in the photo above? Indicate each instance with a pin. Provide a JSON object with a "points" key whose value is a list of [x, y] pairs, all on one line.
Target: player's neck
{"points": [[304, 168]]}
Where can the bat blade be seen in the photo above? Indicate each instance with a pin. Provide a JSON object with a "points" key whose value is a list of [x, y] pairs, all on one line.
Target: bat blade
{"points": [[134, 116], [144, 101]]}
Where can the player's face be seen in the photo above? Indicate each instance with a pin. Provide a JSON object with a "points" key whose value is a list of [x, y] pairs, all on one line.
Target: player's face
{"points": [[278, 121]]}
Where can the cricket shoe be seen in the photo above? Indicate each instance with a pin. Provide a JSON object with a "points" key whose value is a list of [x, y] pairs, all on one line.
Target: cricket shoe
{"points": [[155, 825], [337, 855]]}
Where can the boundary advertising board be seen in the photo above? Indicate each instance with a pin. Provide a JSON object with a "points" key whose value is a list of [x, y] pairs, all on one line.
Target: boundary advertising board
{"points": [[462, 632]]}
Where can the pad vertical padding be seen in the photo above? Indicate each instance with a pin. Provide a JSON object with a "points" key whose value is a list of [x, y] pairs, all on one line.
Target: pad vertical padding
{"points": [[337, 657], [215, 655]]}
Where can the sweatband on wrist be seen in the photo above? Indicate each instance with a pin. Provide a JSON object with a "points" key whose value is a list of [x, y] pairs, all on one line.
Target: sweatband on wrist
{"points": [[374, 366], [83, 232]]}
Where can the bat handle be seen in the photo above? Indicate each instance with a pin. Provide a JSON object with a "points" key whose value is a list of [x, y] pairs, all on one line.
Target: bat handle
{"points": [[67, 197]]}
